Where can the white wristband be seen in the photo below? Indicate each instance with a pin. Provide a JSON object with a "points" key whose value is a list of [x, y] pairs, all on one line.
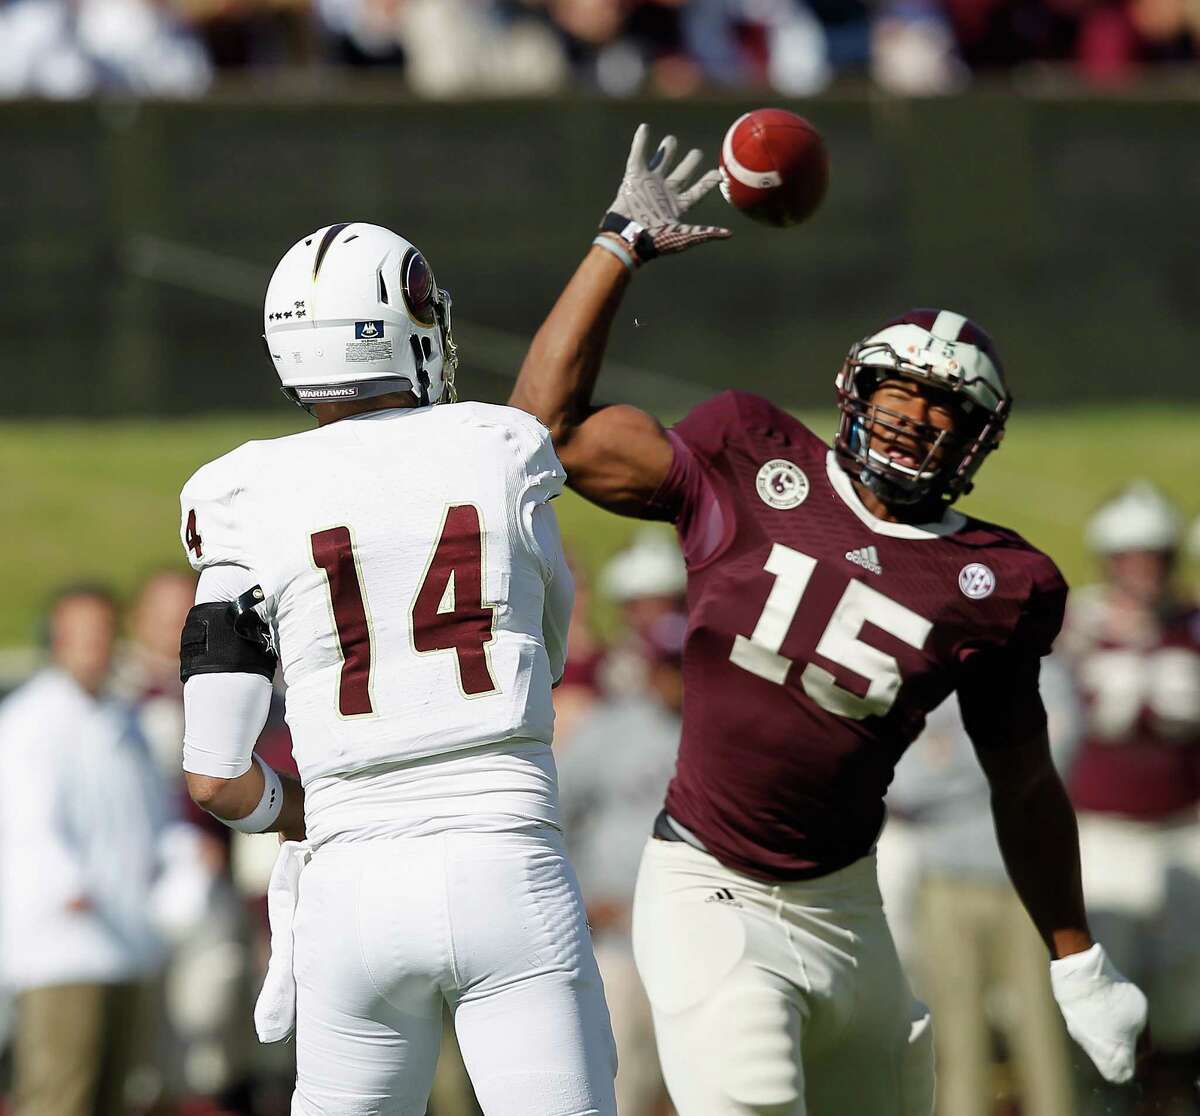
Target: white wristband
{"points": [[622, 254], [263, 816]]}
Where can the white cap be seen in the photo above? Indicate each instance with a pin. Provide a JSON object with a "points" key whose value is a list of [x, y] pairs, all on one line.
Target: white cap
{"points": [[1139, 518], [651, 566]]}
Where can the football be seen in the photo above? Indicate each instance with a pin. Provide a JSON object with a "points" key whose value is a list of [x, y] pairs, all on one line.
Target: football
{"points": [[774, 167]]}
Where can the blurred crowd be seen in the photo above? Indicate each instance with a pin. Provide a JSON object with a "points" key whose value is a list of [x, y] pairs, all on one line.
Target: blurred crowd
{"points": [[447, 48], [133, 931]]}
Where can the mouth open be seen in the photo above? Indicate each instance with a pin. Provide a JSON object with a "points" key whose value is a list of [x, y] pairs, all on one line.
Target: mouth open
{"points": [[912, 461], [903, 457]]}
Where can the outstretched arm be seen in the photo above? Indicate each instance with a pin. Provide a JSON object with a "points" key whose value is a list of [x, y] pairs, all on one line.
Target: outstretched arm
{"points": [[615, 456], [1035, 826]]}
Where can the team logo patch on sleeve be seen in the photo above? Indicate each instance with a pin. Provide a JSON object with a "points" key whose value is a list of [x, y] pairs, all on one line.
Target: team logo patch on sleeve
{"points": [[976, 581], [782, 484], [368, 331]]}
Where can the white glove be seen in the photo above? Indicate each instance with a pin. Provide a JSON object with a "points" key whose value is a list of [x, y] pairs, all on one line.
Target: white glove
{"points": [[275, 1011], [1104, 1011], [649, 204]]}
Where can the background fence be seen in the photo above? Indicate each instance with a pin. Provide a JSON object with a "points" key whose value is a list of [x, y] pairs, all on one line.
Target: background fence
{"points": [[136, 240]]}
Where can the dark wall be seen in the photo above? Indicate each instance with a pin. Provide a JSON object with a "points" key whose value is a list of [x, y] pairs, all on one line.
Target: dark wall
{"points": [[135, 241]]}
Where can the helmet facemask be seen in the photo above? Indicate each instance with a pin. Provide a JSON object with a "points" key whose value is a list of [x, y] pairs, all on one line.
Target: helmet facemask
{"points": [[441, 309], [950, 457]]}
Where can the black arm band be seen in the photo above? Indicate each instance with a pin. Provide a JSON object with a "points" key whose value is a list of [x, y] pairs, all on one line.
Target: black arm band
{"points": [[226, 637]]}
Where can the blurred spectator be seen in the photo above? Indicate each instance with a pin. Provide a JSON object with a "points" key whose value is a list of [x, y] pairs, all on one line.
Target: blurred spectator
{"points": [[66, 49], [147, 665], [612, 780], [1135, 648], [979, 960], [913, 50], [87, 894], [647, 581], [740, 43], [204, 1032], [994, 34], [579, 689], [1116, 41], [676, 48], [449, 47]]}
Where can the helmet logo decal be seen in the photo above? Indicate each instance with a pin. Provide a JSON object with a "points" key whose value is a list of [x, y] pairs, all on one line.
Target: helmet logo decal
{"points": [[976, 581], [781, 484], [369, 344]]}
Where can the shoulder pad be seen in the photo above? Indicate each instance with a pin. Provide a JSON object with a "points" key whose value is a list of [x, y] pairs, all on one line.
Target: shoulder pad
{"points": [[711, 425], [209, 528]]}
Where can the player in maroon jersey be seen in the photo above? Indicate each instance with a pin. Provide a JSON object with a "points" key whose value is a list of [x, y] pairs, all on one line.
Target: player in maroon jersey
{"points": [[1134, 644], [834, 598]]}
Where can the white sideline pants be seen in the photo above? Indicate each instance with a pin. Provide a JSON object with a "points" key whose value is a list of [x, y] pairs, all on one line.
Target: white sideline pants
{"points": [[492, 923], [777, 999]]}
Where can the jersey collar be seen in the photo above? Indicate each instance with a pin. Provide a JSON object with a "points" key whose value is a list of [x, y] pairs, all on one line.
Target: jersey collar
{"points": [[950, 522]]}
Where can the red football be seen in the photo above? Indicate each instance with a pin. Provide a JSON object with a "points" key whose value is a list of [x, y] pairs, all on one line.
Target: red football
{"points": [[774, 166]]}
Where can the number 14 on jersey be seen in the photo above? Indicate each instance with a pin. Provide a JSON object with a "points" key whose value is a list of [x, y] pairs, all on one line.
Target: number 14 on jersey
{"points": [[448, 612]]}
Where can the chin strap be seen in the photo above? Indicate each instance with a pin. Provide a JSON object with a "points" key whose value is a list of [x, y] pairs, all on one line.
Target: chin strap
{"points": [[441, 310]]}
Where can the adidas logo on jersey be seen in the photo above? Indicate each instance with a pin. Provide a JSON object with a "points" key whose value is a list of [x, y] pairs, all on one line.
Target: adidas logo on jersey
{"points": [[723, 895], [867, 557]]}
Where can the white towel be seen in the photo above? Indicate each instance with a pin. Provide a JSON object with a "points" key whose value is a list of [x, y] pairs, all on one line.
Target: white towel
{"points": [[275, 1011]]}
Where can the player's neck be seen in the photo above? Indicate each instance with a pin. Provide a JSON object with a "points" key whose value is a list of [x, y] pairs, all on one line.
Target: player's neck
{"points": [[325, 413], [905, 513]]}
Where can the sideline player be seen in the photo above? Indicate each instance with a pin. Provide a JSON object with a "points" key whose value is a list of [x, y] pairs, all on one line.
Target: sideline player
{"points": [[404, 565], [1134, 643], [834, 598]]}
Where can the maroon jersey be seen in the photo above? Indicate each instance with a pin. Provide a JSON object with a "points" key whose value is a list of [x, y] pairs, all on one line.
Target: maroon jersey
{"points": [[1140, 754], [819, 637]]}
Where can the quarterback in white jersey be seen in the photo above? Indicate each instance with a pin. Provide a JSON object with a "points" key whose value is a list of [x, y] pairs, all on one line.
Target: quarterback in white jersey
{"points": [[402, 565]]}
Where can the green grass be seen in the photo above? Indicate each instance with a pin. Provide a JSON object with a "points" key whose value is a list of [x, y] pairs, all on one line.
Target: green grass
{"points": [[99, 499]]}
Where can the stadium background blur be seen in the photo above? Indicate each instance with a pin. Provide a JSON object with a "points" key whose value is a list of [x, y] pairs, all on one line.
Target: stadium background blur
{"points": [[1032, 163]]}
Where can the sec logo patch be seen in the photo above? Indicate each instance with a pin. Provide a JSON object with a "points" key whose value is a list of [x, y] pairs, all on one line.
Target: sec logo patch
{"points": [[781, 484], [976, 581]]}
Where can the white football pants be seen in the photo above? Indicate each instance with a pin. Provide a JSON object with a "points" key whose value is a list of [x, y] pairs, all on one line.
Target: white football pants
{"points": [[777, 999], [492, 923]]}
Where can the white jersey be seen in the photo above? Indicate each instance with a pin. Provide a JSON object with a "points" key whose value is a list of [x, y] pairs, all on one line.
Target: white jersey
{"points": [[406, 581]]}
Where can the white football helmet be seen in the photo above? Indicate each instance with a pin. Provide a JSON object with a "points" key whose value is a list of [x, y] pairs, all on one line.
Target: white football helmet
{"points": [[1140, 517], [353, 311], [949, 352]]}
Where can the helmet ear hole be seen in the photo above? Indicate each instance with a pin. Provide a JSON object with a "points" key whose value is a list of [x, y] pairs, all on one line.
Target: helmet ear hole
{"points": [[383, 291]]}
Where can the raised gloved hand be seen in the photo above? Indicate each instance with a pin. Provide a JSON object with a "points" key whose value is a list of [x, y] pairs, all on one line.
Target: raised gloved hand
{"points": [[1105, 1012], [646, 213]]}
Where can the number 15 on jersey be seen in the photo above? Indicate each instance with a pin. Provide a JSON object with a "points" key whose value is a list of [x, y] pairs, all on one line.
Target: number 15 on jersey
{"points": [[839, 643]]}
